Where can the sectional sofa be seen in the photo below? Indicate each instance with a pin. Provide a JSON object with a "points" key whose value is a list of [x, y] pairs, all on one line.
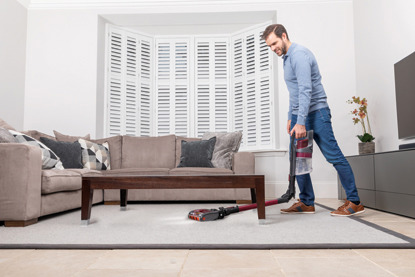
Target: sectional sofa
{"points": [[28, 192]]}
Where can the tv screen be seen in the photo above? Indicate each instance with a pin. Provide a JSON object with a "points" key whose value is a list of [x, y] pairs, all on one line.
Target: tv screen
{"points": [[405, 96]]}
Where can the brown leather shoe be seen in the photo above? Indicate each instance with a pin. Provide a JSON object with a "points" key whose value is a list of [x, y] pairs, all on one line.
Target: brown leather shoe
{"points": [[299, 208], [348, 209]]}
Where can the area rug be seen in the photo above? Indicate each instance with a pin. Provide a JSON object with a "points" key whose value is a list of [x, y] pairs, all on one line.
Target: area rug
{"points": [[160, 226]]}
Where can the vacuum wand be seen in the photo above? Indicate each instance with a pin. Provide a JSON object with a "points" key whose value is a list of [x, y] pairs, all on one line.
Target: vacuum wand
{"points": [[302, 149], [291, 177]]}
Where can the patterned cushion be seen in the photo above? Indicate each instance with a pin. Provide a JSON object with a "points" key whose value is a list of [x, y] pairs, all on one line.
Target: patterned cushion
{"points": [[94, 155], [49, 158]]}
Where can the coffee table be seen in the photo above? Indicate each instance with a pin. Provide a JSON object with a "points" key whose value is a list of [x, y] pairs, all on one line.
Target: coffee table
{"points": [[124, 183]]}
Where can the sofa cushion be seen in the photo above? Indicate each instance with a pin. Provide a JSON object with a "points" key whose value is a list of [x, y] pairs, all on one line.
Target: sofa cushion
{"points": [[148, 152], [179, 140], [114, 144], [137, 171], [37, 135], [227, 144], [5, 125], [6, 136], [62, 137], [70, 153], [95, 155], [199, 171], [49, 158], [197, 153], [60, 180], [85, 171]]}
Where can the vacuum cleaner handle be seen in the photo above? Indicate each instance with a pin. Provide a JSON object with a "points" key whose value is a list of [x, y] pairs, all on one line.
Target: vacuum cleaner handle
{"points": [[290, 193], [293, 150]]}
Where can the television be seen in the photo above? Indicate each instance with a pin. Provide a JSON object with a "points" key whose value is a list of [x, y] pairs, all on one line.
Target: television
{"points": [[405, 96]]}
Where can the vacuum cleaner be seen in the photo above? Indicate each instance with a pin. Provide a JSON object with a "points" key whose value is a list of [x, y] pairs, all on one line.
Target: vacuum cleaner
{"points": [[300, 163]]}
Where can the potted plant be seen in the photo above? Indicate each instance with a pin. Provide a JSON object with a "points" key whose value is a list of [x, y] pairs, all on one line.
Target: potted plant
{"points": [[360, 114]]}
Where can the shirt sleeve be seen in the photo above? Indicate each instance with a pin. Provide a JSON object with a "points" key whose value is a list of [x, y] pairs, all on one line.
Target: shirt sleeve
{"points": [[302, 69], [290, 110]]}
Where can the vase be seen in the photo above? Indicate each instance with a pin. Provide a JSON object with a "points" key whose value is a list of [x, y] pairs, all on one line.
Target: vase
{"points": [[366, 147]]}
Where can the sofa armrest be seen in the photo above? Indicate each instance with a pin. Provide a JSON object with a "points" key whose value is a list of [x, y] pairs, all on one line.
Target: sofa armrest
{"points": [[243, 163], [20, 181]]}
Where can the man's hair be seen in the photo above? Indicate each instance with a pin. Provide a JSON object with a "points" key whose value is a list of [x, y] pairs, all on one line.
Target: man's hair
{"points": [[277, 29]]}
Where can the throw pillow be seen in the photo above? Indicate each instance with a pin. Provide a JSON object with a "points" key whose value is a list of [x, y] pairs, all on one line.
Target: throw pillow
{"points": [[227, 144], [6, 136], [70, 153], [179, 146], [197, 153], [62, 137], [5, 125], [37, 135], [49, 158], [94, 155]]}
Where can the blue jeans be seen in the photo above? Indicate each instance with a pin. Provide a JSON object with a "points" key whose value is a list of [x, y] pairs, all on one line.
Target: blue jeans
{"points": [[320, 122]]}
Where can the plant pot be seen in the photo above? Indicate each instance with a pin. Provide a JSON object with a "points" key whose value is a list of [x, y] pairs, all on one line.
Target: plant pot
{"points": [[366, 147]]}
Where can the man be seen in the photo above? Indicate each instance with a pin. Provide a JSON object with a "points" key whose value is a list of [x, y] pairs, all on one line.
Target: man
{"points": [[308, 110]]}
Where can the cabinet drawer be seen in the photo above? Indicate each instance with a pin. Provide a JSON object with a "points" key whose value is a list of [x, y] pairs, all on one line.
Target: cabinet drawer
{"points": [[394, 172], [396, 203], [367, 197], [363, 170]]}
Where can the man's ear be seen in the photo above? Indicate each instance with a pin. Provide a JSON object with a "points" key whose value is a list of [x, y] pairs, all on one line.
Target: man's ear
{"points": [[284, 37]]}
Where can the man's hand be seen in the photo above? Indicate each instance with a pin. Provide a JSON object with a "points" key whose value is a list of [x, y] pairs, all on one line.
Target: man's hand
{"points": [[299, 130], [288, 126]]}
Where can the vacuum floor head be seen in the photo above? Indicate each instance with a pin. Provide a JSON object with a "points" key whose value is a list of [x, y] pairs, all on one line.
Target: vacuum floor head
{"points": [[204, 214]]}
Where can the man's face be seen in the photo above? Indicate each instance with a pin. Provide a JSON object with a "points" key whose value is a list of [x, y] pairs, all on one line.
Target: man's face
{"points": [[276, 44]]}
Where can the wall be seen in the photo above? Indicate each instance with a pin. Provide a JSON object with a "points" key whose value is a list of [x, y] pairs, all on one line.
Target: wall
{"points": [[327, 30], [13, 22], [62, 72], [384, 34]]}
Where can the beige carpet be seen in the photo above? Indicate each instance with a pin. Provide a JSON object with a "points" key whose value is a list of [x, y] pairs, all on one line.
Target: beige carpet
{"points": [[167, 226]]}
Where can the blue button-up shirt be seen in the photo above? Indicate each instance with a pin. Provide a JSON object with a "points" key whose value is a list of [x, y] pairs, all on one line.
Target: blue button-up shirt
{"points": [[303, 80]]}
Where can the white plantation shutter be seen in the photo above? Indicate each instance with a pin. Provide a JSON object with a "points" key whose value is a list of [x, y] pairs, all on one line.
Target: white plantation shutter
{"points": [[265, 98], [145, 115], [190, 85], [172, 86], [129, 83], [212, 85], [145, 85], [251, 90], [114, 84], [114, 106]]}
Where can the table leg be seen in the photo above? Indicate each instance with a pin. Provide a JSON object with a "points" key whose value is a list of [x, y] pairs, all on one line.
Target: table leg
{"points": [[123, 198], [260, 198], [253, 196], [87, 194]]}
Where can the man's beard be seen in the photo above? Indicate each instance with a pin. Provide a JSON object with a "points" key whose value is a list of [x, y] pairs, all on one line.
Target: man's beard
{"points": [[284, 49]]}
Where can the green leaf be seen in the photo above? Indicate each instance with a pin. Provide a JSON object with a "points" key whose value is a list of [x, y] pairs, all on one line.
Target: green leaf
{"points": [[366, 138]]}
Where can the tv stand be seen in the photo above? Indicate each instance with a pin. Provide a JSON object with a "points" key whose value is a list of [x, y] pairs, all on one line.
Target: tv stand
{"points": [[385, 181], [406, 146]]}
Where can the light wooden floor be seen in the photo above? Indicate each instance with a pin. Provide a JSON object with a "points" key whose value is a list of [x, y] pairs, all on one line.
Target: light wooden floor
{"points": [[343, 262]]}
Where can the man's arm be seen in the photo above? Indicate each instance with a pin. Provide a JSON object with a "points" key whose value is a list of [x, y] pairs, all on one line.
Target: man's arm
{"points": [[302, 69]]}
